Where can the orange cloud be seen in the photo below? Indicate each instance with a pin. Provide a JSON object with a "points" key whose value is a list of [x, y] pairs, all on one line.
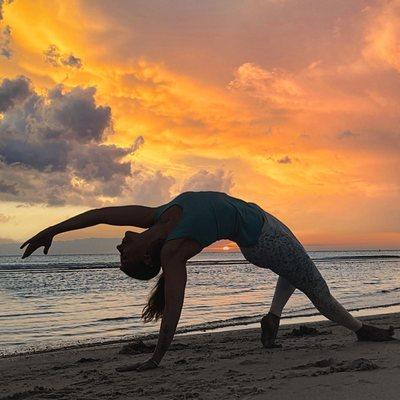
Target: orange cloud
{"points": [[322, 94], [383, 35]]}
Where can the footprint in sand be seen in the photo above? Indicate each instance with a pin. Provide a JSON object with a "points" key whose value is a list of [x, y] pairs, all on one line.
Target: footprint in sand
{"points": [[330, 365]]}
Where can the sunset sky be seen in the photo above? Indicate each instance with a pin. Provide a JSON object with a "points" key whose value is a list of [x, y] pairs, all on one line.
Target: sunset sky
{"points": [[292, 104]]}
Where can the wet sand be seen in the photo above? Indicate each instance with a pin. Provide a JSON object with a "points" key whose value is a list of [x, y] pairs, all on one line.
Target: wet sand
{"points": [[326, 364]]}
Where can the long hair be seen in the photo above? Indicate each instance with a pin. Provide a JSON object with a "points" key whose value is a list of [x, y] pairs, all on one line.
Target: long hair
{"points": [[154, 308], [155, 305]]}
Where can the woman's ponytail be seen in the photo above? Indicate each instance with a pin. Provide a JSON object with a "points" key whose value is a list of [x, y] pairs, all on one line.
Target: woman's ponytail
{"points": [[155, 306]]}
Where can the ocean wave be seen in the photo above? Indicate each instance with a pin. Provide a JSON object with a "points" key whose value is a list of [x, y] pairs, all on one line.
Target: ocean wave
{"points": [[113, 319], [30, 314], [95, 265], [202, 327], [359, 257], [383, 257], [390, 290], [75, 266], [49, 267]]}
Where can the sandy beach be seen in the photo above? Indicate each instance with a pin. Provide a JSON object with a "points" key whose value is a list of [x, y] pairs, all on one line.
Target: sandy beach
{"points": [[319, 360]]}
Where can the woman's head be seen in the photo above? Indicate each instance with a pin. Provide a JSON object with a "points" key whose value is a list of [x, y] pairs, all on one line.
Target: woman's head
{"points": [[139, 258]]}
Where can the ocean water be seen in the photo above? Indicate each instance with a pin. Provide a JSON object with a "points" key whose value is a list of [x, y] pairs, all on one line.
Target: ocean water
{"points": [[54, 301]]}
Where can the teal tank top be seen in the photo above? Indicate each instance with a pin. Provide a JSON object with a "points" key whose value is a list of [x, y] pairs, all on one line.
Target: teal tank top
{"points": [[210, 216]]}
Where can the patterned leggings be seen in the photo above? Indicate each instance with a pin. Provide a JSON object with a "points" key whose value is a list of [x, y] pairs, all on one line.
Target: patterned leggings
{"points": [[280, 251]]}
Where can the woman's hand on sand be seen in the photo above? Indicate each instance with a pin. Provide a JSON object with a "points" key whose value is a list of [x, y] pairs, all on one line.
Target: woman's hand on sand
{"points": [[142, 366], [43, 238]]}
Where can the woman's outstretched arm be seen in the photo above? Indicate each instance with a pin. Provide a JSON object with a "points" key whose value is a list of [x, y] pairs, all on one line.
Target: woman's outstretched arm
{"points": [[174, 256], [139, 216], [175, 283]]}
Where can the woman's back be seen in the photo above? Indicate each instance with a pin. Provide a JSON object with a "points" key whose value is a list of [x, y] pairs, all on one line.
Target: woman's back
{"points": [[209, 216]]}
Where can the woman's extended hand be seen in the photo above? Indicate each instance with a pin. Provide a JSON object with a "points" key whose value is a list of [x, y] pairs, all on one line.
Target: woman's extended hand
{"points": [[43, 238], [141, 366]]}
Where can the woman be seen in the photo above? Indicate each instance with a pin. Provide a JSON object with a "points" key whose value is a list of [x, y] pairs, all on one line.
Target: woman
{"points": [[180, 229]]}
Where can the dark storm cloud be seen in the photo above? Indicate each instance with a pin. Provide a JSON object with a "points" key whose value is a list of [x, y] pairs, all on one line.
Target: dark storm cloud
{"points": [[8, 188], [2, 3], [52, 147], [13, 91], [139, 142], [101, 162], [71, 61], [45, 133], [53, 56], [285, 160], [5, 42], [33, 186], [74, 114], [50, 156]]}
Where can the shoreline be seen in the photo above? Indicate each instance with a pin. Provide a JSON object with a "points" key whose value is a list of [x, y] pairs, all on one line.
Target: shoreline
{"points": [[229, 364], [233, 324]]}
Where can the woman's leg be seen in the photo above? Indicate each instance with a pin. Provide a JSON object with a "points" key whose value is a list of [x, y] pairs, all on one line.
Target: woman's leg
{"points": [[328, 306], [285, 256], [294, 264], [283, 290], [270, 322], [319, 295]]}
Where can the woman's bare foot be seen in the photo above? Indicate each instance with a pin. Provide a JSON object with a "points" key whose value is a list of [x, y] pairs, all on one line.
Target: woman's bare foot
{"points": [[269, 330], [368, 333]]}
